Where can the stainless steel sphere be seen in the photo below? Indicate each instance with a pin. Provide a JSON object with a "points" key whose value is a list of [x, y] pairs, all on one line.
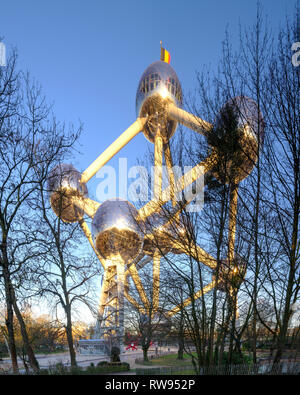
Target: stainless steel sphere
{"points": [[236, 138], [158, 86], [64, 187], [116, 231]]}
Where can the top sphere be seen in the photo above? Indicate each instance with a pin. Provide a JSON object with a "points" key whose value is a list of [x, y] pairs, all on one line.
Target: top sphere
{"points": [[158, 86]]}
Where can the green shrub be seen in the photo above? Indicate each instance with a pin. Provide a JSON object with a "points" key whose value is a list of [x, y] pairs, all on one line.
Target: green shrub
{"points": [[75, 370], [126, 366], [102, 363], [91, 369], [102, 367]]}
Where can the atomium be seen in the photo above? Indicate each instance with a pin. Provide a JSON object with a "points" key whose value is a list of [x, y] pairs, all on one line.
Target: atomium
{"points": [[124, 238], [65, 188]]}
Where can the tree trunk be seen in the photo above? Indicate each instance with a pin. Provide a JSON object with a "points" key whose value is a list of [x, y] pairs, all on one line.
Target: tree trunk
{"points": [[29, 351], [69, 333], [11, 338], [180, 347], [145, 354], [180, 338], [9, 321]]}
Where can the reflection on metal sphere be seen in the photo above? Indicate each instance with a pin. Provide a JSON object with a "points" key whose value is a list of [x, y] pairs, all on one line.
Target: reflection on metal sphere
{"points": [[64, 187], [116, 231], [231, 276], [238, 134], [158, 86]]}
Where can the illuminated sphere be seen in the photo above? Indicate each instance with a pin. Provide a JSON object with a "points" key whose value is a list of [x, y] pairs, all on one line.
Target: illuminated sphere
{"points": [[115, 230], [238, 133], [64, 186], [158, 86], [231, 276]]}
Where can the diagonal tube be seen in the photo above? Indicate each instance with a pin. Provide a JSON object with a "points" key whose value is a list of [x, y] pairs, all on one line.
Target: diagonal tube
{"points": [[188, 301], [189, 120], [113, 149], [183, 182]]}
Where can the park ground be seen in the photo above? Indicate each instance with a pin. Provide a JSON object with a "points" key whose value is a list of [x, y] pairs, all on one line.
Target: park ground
{"points": [[84, 360], [160, 360]]}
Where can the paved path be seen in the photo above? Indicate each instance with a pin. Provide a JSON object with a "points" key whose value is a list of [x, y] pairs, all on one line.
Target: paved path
{"points": [[85, 360]]}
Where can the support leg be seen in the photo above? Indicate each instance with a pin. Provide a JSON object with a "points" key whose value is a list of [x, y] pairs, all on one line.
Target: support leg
{"points": [[156, 274]]}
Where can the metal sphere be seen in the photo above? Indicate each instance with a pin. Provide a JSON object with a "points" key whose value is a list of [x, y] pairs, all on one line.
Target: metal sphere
{"points": [[116, 231], [64, 187], [237, 136], [158, 86], [231, 276]]}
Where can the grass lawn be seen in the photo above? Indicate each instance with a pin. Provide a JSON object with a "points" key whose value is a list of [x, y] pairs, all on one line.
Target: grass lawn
{"points": [[170, 360], [170, 365]]}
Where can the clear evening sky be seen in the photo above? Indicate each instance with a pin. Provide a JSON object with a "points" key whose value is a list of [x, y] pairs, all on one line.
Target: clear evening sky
{"points": [[89, 55]]}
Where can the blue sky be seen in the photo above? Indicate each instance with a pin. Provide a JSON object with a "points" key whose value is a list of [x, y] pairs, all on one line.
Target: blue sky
{"points": [[89, 55]]}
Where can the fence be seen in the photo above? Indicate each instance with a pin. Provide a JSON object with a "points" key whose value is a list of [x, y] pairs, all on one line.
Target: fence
{"points": [[283, 368]]}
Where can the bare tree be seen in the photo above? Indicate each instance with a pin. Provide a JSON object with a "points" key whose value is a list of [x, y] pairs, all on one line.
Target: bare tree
{"points": [[65, 274], [25, 128], [284, 177]]}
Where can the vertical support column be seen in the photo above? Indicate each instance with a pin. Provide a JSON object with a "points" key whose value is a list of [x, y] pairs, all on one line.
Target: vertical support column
{"points": [[156, 274], [232, 221], [237, 314], [108, 302], [169, 163], [231, 244], [158, 157], [111, 306], [120, 287], [102, 303]]}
